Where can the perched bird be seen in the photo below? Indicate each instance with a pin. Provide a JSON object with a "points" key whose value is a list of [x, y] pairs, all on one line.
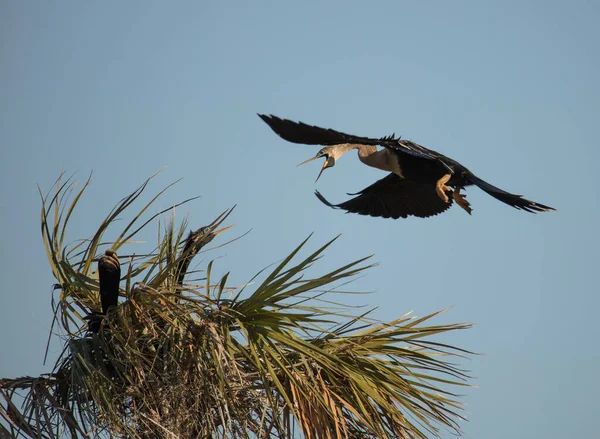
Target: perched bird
{"points": [[109, 274], [420, 183], [109, 271]]}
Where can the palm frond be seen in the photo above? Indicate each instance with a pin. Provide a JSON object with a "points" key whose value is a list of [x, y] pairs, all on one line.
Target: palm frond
{"points": [[181, 357]]}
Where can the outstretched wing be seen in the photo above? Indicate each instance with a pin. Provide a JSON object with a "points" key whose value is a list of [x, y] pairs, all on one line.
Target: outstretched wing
{"points": [[298, 132], [393, 197]]}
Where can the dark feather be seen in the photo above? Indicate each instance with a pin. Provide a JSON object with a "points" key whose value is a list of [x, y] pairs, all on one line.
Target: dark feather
{"points": [[109, 271], [393, 197], [516, 201], [298, 132]]}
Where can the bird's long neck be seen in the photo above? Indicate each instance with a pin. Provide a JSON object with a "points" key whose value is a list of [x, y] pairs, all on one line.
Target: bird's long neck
{"points": [[364, 151], [368, 154], [385, 159]]}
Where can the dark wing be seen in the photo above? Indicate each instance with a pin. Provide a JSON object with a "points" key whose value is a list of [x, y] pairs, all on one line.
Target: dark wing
{"points": [[516, 201], [393, 197], [412, 148], [298, 132]]}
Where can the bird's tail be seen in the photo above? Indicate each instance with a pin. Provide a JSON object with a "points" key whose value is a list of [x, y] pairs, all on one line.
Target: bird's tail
{"points": [[516, 201]]}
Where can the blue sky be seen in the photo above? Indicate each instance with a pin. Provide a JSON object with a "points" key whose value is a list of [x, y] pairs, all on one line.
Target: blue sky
{"points": [[509, 89]]}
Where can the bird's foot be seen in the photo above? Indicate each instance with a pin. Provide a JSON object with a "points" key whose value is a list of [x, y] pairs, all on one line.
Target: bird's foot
{"points": [[442, 189], [461, 200]]}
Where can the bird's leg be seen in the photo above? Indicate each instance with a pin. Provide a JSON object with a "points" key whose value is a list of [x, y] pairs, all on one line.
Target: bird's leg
{"points": [[461, 200], [441, 188]]}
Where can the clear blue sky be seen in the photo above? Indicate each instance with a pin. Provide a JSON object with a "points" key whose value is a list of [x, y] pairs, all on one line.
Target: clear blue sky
{"points": [[510, 89]]}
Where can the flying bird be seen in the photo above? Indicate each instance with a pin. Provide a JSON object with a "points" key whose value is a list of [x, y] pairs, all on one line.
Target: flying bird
{"points": [[421, 182]]}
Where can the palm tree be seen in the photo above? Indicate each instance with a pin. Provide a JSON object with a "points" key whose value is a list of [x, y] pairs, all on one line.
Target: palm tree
{"points": [[186, 355]]}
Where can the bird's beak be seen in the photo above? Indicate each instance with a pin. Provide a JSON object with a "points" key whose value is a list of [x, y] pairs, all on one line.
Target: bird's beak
{"points": [[318, 156], [322, 169], [216, 232], [325, 165]]}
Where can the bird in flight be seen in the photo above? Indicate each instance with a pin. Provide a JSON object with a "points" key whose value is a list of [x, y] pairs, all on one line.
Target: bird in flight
{"points": [[421, 182]]}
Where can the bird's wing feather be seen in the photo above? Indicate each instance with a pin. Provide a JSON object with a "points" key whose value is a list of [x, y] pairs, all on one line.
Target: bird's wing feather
{"points": [[411, 148], [516, 201], [393, 197], [298, 132]]}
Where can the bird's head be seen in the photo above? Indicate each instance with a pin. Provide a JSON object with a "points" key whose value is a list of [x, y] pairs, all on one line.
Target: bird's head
{"points": [[330, 154]]}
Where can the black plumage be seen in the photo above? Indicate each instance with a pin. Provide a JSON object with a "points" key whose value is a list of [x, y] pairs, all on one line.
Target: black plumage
{"points": [[393, 197], [298, 132], [411, 190], [109, 273]]}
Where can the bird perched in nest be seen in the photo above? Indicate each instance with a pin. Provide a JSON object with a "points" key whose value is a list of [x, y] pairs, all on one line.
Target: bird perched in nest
{"points": [[109, 277], [421, 183]]}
